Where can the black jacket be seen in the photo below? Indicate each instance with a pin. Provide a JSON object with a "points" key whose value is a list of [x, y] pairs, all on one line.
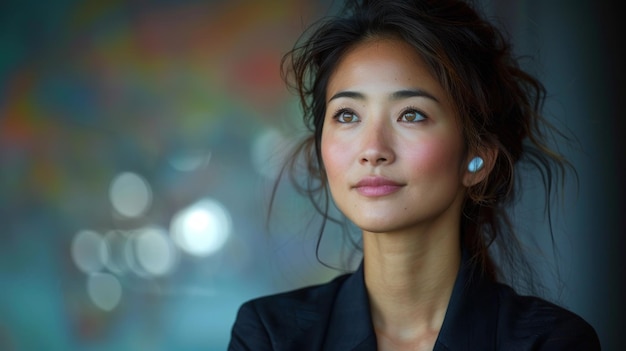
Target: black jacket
{"points": [[482, 315]]}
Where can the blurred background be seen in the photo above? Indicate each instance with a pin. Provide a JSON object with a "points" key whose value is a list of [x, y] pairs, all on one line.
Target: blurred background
{"points": [[139, 142]]}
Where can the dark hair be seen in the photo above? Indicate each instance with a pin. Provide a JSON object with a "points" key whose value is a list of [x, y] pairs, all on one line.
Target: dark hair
{"points": [[499, 105]]}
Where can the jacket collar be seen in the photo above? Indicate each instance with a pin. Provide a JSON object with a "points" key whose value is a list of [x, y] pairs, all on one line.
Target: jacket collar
{"points": [[472, 315], [469, 324], [350, 326]]}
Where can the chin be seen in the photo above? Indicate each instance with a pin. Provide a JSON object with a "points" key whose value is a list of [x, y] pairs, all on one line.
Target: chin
{"points": [[377, 225]]}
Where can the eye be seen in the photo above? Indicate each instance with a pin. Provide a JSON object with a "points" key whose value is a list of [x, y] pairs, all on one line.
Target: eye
{"points": [[346, 116], [411, 115]]}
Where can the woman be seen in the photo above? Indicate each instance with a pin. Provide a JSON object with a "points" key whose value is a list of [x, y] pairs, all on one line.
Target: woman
{"points": [[419, 116]]}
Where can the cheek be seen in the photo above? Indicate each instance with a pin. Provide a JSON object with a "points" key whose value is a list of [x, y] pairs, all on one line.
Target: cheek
{"points": [[436, 157], [335, 156]]}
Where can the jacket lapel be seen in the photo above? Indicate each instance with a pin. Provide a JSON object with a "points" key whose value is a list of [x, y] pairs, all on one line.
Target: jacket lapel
{"points": [[350, 325], [336, 319], [472, 315], [310, 320]]}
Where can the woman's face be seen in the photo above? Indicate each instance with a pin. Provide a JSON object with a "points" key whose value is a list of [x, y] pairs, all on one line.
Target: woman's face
{"points": [[391, 143]]}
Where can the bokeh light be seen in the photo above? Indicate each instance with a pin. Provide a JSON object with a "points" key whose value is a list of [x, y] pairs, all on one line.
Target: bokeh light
{"points": [[268, 152], [130, 194], [105, 290], [189, 160], [114, 246], [202, 228], [87, 251], [154, 251]]}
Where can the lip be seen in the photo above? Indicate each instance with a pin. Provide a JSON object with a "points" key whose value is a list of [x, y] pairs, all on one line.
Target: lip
{"points": [[374, 186]]}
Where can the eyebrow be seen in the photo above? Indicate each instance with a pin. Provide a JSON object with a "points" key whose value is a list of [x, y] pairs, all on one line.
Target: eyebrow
{"points": [[397, 95]]}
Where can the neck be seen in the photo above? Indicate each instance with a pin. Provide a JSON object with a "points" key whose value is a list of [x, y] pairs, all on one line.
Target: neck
{"points": [[409, 278]]}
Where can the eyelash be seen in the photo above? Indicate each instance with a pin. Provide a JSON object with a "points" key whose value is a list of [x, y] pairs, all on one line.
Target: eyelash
{"points": [[409, 109]]}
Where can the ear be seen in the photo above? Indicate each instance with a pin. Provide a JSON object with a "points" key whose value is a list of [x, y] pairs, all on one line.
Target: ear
{"points": [[489, 156]]}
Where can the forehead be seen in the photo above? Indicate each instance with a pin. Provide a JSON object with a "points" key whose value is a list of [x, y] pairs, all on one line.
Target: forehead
{"points": [[382, 64]]}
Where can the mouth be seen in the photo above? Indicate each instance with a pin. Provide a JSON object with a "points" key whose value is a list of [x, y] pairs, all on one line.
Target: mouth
{"points": [[377, 186]]}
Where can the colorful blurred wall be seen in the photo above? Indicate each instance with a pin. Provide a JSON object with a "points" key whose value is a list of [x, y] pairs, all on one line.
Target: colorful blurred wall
{"points": [[139, 141]]}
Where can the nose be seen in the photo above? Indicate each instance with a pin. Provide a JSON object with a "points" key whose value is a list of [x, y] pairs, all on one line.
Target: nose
{"points": [[377, 145]]}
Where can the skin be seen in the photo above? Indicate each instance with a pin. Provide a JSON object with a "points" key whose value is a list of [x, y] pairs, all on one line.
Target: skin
{"points": [[388, 121]]}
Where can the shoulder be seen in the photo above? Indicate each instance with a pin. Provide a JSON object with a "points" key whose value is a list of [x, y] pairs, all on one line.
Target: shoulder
{"points": [[534, 321], [289, 306], [265, 323], [311, 294]]}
